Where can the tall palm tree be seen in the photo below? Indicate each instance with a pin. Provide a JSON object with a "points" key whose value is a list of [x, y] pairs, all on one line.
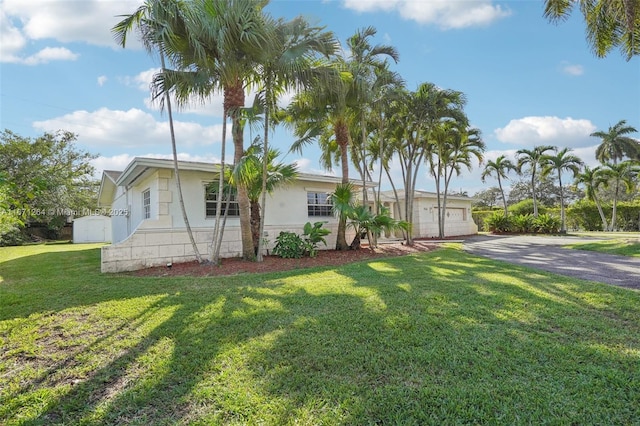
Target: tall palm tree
{"points": [[365, 64], [224, 39], [624, 176], [499, 167], [610, 23], [615, 144], [533, 159], [592, 179], [291, 64], [250, 171], [563, 161], [459, 147], [334, 105], [150, 19]]}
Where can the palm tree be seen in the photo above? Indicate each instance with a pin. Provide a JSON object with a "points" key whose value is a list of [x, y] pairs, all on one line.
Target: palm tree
{"points": [[290, 64], [343, 199], [462, 145], [610, 23], [532, 158], [327, 110], [624, 175], [615, 144], [500, 167], [149, 20], [561, 162], [592, 179], [250, 171], [365, 65], [221, 50]]}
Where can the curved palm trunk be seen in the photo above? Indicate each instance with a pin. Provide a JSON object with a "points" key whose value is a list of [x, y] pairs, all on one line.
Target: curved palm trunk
{"points": [[504, 200], [342, 138], [605, 225], [176, 170], [563, 225], [218, 229], [614, 212]]}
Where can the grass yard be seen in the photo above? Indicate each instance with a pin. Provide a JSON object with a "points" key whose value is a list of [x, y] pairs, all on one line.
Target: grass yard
{"points": [[438, 338], [622, 246]]}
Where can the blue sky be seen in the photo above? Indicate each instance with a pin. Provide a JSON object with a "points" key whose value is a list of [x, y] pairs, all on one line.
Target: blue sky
{"points": [[527, 81]]}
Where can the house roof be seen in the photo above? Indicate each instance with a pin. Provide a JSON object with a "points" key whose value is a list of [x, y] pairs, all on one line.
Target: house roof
{"points": [[140, 167], [390, 196]]}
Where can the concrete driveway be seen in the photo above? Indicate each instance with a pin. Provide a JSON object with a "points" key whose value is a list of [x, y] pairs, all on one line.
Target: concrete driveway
{"points": [[547, 253]]}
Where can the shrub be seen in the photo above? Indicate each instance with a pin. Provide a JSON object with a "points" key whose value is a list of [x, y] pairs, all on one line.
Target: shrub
{"points": [[525, 207], [522, 223], [313, 235], [498, 222], [546, 224], [289, 245]]}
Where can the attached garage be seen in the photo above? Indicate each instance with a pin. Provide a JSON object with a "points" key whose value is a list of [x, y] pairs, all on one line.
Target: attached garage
{"points": [[92, 229]]}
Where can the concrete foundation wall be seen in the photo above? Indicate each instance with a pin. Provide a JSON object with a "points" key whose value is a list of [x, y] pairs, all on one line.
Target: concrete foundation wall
{"points": [[157, 247]]}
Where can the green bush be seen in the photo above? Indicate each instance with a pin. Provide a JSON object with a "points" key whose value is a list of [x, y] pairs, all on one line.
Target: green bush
{"points": [[525, 207], [546, 224], [522, 223], [289, 245], [313, 235], [497, 222]]}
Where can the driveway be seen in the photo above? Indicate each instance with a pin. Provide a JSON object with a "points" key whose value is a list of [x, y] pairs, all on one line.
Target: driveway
{"points": [[547, 253]]}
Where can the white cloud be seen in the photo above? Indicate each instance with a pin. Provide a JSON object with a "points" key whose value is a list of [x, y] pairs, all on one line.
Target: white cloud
{"points": [[134, 128], [572, 69], [561, 132], [102, 80], [86, 21], [447, 14], [49, 54]]}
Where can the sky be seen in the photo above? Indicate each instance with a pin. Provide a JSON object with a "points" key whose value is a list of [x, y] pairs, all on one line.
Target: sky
{"points": [[527, 81]]}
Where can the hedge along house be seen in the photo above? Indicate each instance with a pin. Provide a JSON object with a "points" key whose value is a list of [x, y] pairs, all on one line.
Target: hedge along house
{"points": [[147, 224], [458, 219]]}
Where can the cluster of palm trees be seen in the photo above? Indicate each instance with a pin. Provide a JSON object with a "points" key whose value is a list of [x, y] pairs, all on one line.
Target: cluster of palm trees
{"points": [[347, 100], [545, 159]]}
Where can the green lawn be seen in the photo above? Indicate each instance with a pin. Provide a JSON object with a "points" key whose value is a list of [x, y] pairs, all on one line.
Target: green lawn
{"points": [[438, 338], [621, 246]]}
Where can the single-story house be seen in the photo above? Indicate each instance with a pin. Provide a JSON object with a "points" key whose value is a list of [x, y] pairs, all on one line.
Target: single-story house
{"points": [[147, 224], [458, 219], [147, 227]]}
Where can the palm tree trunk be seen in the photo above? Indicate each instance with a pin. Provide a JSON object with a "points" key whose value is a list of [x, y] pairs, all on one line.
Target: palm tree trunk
{"points": [[176, 170], [605, 225], [218, 230], [244, 204], [504, 200], [614, 212], [533, 194], [342, 138], [563, 225], [265, 171]]}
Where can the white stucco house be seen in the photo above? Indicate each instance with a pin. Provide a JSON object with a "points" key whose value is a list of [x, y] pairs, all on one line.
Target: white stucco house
{"points": [[147, 228], [425, 213], [147, 224]]}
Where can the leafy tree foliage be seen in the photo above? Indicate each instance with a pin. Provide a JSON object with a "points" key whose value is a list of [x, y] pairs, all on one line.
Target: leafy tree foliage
{"points": [[45, 177]]}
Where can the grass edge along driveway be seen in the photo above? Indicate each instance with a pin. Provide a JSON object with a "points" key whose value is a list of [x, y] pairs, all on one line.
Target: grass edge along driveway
{"points": [[438, 338]]}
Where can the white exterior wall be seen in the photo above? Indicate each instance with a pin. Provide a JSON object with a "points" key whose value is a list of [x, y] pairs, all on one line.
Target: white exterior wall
{"points": [[163, 238]]}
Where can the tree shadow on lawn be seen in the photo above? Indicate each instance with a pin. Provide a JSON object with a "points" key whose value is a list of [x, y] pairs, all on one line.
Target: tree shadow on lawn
{"points": [[420, 339]]}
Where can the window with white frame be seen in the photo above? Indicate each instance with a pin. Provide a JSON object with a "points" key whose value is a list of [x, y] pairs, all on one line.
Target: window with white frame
{"points": [[319, 204], [229, 204], [146, 204]]}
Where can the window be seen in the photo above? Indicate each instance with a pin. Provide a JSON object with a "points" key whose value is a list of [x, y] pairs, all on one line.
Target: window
{"points": [[211, 202], [319, 204], [146, 204]]}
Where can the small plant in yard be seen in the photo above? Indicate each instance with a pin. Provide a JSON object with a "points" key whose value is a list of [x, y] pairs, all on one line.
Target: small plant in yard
{"points": [[313, 235], [546, 224], [289, 245], [522, 223], [498, 222]]}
